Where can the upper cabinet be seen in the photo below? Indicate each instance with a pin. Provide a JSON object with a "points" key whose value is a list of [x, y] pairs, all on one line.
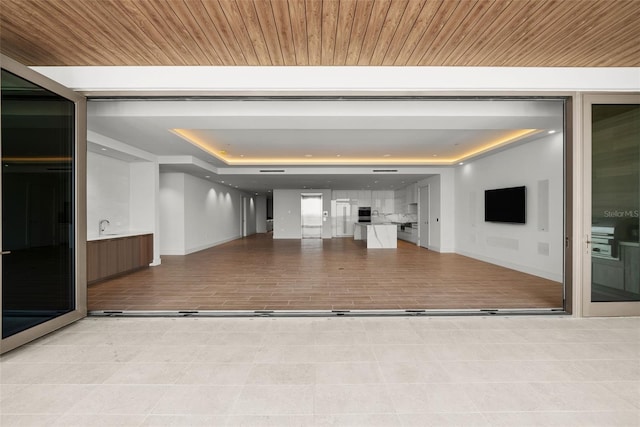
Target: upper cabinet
{"points": [[404, 197], [412, 193], [383, 201], [379, 200]]}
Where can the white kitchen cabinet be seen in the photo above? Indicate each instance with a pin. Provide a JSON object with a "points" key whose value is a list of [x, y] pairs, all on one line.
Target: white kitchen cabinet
{"points": [[399, 202], [364, 198], [383, 201], [607, 272], [376, 200], [387, 202], [412, 193], [340, 194], [350, 194]]}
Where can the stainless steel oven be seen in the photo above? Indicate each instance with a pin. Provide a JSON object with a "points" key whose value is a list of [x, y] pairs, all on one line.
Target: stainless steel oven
{"points": [[364, 214]]}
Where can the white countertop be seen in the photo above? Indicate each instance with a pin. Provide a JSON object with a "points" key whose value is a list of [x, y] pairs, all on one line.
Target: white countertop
{"points": [[117, 235]]}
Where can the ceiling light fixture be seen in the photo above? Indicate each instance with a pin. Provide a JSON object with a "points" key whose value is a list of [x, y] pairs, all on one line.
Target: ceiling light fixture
{"points": [[103, 149], [207, 176], [387, 155], [552, 131], [461, 163], [208, 145]]}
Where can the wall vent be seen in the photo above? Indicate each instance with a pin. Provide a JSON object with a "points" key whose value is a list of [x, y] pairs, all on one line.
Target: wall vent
{"points": [[385, 170], [271, 170]]}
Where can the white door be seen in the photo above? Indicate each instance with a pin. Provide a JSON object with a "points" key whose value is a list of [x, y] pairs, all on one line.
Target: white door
{"points": [[423, 214], [611, 248], [344, 226]]}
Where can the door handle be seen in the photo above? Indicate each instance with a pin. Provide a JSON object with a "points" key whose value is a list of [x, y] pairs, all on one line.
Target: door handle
{"points": [[5, 252]]}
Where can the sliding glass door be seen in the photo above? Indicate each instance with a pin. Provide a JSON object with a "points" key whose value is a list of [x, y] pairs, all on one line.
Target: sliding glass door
{"points": [[39, 234], [612, 143]]}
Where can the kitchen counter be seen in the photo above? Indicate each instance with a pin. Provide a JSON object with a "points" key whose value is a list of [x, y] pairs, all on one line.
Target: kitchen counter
{"points": [[117, 235], [112, 255], [377, 236]]}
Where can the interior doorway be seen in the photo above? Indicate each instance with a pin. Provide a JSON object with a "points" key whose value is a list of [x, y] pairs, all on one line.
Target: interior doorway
{"points": [[311, 216]]}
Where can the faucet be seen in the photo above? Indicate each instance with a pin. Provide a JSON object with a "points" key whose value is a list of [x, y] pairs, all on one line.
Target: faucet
{"points": [[102, 226]]}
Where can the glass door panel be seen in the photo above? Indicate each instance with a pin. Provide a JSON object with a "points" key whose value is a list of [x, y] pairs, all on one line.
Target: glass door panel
{"points": [[42, 179], [38, 205], [615, 206]]}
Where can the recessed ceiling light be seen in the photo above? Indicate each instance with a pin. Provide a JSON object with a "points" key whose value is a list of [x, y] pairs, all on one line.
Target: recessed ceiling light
{"points": [[387, 155], [338, 155], [241, 155], [461, 163], [207, 176], [222, 182], [103, 149], [552, 131], [435, 155], [308, 155], [256, 194]]}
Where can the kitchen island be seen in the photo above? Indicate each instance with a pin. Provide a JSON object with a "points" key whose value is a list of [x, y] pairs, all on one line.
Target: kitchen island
{"points": [[110, 255], [377, 236]]}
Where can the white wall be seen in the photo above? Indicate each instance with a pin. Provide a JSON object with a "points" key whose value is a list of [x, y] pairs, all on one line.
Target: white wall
{"points": [[250, 213], [441, 209], [108, 181], [535, 247], [172, 206], [287, 216], [197, 214], [144, 213]]}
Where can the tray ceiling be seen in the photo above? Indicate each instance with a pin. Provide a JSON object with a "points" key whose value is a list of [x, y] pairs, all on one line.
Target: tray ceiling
{"points": [[522, 33]]}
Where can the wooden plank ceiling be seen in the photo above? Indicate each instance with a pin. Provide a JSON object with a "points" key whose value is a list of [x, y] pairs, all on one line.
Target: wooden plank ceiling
{"points": [[523, 33]]}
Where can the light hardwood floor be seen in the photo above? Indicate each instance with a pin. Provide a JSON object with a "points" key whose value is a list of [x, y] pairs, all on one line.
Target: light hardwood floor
{"points": [[259, 273]]}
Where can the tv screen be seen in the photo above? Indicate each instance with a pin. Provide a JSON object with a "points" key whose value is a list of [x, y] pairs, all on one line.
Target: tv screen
{"points": [[505, 205]]}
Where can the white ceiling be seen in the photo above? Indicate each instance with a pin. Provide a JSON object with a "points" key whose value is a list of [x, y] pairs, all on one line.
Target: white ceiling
{"points": [[322, 143]]}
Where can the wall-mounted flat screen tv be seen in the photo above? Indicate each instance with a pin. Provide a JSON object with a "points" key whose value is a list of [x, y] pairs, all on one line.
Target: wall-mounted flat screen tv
{"points": [[506, 205]]}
